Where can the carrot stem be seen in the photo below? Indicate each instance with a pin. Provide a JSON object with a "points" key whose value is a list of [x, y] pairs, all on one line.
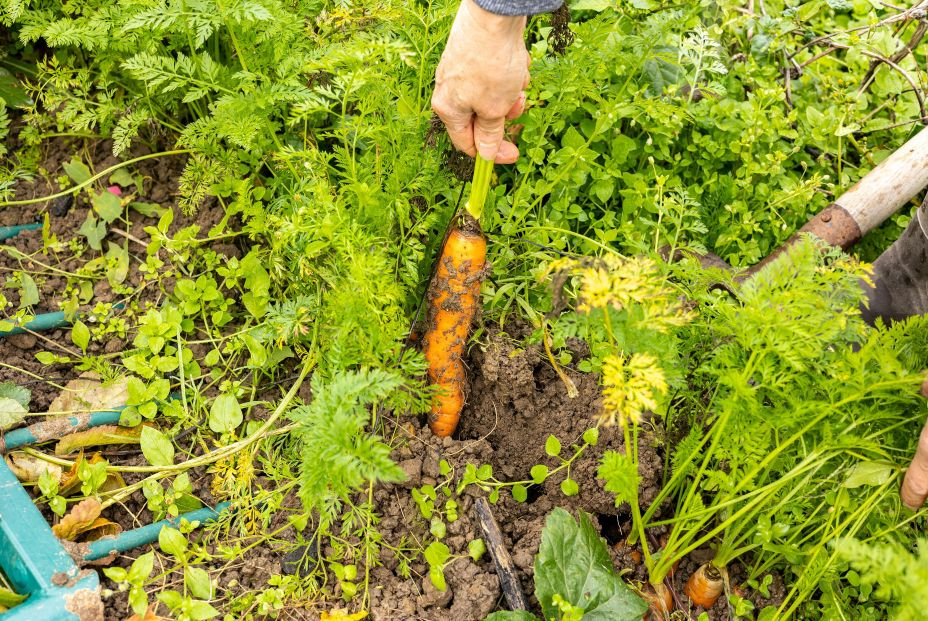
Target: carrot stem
{"points": [[480, 185]]}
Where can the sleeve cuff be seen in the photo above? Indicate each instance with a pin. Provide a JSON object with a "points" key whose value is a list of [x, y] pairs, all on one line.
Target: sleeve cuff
{"points": [[518, 7]]}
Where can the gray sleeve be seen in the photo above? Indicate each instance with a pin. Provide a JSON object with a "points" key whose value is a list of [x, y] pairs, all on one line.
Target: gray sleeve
{"points": [[518, 7]]}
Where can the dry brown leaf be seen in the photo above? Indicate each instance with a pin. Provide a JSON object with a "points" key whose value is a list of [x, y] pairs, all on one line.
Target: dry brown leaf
{"points": [[28, 469], [98, 436], [101, 527], [88, 394], [80, 518]]}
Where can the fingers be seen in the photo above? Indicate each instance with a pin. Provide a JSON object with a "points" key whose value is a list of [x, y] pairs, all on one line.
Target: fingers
{"points": [[915, 485], [458, 123], [517, 108], [488, 135]]}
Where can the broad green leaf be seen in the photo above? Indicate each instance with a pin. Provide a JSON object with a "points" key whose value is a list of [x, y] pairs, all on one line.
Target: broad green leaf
{"points": [[198, 583], [29, 293], [172, 542], [156, 447], [225, 414], [94, 230], [12, 413], [13, 93], [573, 562], [539, 473], [552, 446], [77, 170], [868, 473], [19, 394], [512, 615], [200, 610], [107, 205], [569, 487], [80, 335], [141, 568], [519, 493], [476, 549]]}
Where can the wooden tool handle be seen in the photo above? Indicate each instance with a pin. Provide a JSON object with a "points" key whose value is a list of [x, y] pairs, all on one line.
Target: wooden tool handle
{"points": [[889, 186]]}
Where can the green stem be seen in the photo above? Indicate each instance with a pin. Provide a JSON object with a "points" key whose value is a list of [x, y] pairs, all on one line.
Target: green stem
{"points": [[483, 170], [100, 175]]}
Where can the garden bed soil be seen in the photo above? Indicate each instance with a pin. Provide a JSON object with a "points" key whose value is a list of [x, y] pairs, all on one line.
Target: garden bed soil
{"points": [[516, 400]]}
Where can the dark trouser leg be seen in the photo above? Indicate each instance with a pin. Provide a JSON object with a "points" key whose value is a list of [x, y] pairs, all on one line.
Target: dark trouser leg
{"points": [[900, 275]]}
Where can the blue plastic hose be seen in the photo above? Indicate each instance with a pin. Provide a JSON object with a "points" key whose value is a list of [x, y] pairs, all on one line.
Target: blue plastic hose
{"points": [[7, 232], [146, 534], [54, 428], [47, 321]]}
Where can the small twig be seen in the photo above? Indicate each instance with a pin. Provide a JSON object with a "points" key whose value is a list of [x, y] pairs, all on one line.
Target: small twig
{"points": [[908, 78], [130, 237], [508, 581], [906, 49]]}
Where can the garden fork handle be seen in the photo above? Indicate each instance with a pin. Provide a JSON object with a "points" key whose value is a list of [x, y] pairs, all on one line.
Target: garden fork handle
{"points": [[873, 199]]}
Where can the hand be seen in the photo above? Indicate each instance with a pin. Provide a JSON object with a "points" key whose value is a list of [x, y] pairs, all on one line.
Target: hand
{"points": [[915, 485], [480, 81]]}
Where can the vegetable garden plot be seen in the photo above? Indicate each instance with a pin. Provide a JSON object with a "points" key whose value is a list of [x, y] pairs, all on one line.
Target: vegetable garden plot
{"points": [[252, 290]]}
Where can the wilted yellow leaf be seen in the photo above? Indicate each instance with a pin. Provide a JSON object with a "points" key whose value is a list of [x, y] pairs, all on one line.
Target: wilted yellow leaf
{"points": [[28, 469], [88, 394], [340, 614], [98, 436]]}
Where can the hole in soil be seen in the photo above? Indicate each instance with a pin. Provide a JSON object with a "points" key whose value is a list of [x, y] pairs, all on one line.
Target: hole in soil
{"points": [[610, 528], [534, 493]]}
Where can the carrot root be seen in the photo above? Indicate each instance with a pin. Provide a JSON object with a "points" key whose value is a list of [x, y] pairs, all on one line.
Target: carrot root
{"points": [[454, 296], [705, 585], [660, 602]]}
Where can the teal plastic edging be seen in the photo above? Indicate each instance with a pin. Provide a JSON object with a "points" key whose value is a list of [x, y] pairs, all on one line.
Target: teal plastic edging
{"points": [[6, 232], [146, 534], [37, 565], [46, 321], [55, 428]]}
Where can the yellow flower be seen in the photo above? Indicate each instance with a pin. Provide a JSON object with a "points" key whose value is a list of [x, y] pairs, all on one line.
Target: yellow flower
{"points": [[631, 386], [340, 614]]}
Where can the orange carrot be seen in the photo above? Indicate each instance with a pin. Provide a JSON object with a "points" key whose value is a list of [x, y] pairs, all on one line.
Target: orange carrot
{"points": [[453, 296], [660, 602], [453, 299], [705, 585]]}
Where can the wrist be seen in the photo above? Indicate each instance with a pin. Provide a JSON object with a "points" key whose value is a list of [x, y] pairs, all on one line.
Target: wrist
{"points": [[492, 23]]}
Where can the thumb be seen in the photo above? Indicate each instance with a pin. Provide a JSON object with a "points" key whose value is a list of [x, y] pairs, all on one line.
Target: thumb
{"points": [[488, 135]]}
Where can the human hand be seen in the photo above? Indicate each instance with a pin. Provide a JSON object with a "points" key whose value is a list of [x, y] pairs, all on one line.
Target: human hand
{"points": [[480, 81], [915, 484]]}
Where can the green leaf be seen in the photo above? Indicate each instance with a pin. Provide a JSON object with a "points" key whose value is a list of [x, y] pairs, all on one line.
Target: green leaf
{"points": [[80, 335], [225, 414], [198, 582], [29, 293], [19, 394], [552, 446], [621, 475], [200, 610], [77, 170], [573, 562], [591, 436], [12, 413], [870, 473], [436, 554], [476, 549], [156, 447], [569, 487], [519, 493], [94, 231], [592, 5], [8, 598], [107, 205], [13, 93], [539, 473], [172, 542], [122, 177], [141, 568]]}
